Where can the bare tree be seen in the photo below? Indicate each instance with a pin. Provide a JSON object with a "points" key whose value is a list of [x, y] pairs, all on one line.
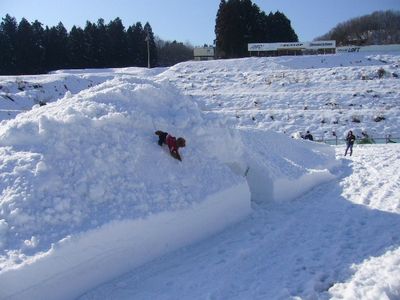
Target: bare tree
{"points": [[378, 28]]}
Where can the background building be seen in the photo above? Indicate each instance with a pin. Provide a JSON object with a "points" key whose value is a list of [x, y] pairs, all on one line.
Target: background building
{"points": [[204, 53], [370, 48], [293, 48]]}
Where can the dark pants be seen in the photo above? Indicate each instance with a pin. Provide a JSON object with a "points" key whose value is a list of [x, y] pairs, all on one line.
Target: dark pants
{"points": [[162, 137], [349, 147]]}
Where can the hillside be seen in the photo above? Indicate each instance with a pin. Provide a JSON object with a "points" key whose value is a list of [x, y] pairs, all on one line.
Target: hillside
{"points": [[323, 94], [87, 195], [378, 28]]}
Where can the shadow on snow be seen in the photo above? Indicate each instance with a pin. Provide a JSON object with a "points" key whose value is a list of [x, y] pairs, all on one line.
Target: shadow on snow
{"points": [[297, 248]]}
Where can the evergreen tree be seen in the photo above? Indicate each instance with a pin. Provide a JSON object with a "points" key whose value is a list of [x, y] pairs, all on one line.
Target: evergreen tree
{"points": [[281, 29], [56, 41], [25, 55], [28, 48], [227, 28], [237, 24], [152, 45], [137, 46], [38, 50], [92, 45], [118, 43], [132, 46], [8, 37], [3, 51], [103, 50], [240, 22], [77, 55]]}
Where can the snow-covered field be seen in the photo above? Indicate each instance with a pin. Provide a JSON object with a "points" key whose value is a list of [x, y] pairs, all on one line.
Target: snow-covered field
{"points": [[89, 199]]}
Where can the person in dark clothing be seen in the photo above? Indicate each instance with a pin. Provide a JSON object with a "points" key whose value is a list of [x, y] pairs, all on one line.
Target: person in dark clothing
{"points": [[308, 136], [162, 136], [173, 143], [350, 139]]}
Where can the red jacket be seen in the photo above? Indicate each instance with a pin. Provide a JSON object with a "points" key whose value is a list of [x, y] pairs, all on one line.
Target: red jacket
{"points": [[171, 142]]}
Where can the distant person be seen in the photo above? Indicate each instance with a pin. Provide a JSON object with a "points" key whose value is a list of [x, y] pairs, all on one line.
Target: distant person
{"points": [[366, 139], [308, 136], [350, 139], [172, 143], [389, 139]]}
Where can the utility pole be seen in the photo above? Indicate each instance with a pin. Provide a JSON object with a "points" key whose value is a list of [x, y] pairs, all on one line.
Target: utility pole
{"points": [[148, 50]]}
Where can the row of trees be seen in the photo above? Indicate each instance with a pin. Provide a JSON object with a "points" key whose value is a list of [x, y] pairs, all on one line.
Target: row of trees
{"points": [[240, 22], [378, 28], [29, 48], [171, 53]]}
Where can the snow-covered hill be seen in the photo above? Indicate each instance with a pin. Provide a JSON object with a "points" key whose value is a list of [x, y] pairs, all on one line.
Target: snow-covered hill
{"points": [[87, 194], [323, 94]]}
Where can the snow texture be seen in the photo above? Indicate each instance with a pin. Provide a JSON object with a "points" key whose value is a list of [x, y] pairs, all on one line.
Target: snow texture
{"points": [[87, 195]]}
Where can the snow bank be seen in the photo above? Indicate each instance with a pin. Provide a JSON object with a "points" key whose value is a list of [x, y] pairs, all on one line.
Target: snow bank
{"points": [[77, 263], [69, 168], [21, 93]]}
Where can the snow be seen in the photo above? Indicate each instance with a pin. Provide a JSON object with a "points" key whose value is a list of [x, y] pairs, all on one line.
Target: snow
{"points": [[92, 208], [320, 245]]}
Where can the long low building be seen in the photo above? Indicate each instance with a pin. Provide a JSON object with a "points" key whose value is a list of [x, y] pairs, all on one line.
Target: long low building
{"points": [[369, 48], [296, 48], [292, 48]]}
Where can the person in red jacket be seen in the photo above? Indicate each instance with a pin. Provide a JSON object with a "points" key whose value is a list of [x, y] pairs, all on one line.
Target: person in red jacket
{"points": [[173, 143]]}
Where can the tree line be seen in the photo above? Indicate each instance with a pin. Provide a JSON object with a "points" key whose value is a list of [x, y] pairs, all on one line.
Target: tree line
{"points": [[30, 48], [378, 28], [239, 22]]}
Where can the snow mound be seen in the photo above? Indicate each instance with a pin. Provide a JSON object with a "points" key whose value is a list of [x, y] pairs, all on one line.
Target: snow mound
{"points": [[91, 159], [87, 194]]}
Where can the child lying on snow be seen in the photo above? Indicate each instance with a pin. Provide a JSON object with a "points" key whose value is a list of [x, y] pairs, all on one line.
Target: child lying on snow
{"points": [[172, 143]]}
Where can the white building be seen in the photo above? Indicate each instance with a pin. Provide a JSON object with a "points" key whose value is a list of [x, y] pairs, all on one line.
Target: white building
{"points": [[370, 48], [292, 48], [204, 53]]}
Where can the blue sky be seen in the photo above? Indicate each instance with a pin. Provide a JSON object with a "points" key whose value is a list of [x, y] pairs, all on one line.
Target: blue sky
{"points": [[190, 21]]}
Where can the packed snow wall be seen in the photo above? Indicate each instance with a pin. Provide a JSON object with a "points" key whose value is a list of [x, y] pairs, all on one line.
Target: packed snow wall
{"points": [[279, 168], [87, 193]]}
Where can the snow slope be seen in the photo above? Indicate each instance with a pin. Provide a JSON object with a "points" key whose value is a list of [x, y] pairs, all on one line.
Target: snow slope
{"points": [[323, 94], [87, 194]]}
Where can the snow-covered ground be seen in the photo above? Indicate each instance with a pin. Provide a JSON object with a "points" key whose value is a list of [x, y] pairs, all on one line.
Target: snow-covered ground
{"points": [[338, 241], [322, 94], [87, 195]]}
